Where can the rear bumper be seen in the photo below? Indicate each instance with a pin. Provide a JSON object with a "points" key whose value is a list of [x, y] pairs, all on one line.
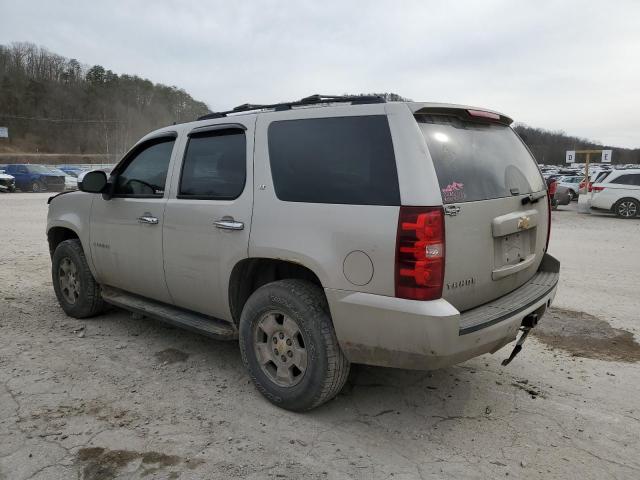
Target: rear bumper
{"points": [[394, 332]]}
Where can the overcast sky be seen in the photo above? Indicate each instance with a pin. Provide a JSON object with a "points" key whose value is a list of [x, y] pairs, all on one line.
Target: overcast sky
{"points": [[568, 65]]}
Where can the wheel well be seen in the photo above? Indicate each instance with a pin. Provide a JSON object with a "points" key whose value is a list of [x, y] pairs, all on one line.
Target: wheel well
{"points": [[627, 198], [56, 235], [250, 274]]}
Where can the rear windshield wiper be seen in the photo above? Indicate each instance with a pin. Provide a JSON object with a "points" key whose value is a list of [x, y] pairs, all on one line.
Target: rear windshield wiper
{"points": [[533, 198]]}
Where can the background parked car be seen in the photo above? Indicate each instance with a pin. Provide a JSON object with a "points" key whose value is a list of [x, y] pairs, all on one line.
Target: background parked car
{"points": [[563, 196], [36, 178], [619, 192], [7, 182], [70, 182], [571, 185], [73, 171]]}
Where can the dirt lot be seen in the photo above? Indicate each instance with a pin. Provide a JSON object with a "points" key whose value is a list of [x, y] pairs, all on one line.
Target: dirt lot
{"points": [[118, 397]]}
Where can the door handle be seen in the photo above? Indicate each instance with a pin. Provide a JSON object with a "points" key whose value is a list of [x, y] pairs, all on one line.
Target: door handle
{"points": [[148, 219], [228, 223]]}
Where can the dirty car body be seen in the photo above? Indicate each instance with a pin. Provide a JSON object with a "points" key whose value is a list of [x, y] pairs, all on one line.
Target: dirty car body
{"points": [[423, 226]]}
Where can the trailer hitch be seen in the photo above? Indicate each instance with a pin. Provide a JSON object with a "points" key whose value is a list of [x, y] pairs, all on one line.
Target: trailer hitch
{"points": [[518, 347], [528, 323]]}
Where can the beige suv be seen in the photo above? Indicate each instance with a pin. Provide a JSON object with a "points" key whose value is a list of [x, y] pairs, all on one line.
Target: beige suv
{"points": [[322, 232]]}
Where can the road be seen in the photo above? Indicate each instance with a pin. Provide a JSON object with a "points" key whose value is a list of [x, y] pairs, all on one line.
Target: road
{"points": [[118, 397]]}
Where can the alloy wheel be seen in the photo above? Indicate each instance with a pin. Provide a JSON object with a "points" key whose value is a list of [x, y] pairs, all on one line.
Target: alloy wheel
{"points": [[627, 209], [69, 281], [279, 346]]}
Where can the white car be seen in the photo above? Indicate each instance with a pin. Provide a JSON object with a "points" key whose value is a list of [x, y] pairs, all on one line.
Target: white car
{"points": [[7, 182], [572, 183], [618, 192], [70, 182]]}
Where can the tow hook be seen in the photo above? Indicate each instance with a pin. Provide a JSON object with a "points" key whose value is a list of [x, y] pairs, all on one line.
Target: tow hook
{"points": [[528, 323]]}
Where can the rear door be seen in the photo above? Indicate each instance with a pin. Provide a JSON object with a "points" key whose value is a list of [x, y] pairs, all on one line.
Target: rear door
{"points": [[208, 216], [495, 234]]}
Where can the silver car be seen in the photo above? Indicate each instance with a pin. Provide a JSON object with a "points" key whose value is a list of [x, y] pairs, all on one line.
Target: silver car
{"points": [[319, 233]]}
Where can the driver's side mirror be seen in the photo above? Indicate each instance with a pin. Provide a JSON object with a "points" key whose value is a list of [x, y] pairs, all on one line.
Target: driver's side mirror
{"points": [[93, 182]]}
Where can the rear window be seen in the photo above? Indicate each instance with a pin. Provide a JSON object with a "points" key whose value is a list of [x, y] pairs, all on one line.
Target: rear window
{"points": [[600, 177], [344, 160], [478, 161]]}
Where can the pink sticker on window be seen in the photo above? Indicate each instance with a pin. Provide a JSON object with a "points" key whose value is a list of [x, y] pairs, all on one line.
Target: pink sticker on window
{"points": [[453, 192]]}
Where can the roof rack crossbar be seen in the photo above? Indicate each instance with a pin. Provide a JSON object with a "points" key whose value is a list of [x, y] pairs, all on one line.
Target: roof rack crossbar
{"points": [[310, 100]]}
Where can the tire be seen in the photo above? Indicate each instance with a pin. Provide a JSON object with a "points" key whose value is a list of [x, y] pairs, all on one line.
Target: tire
{"points": [[76, 289], [268, 323], [627, 208], [572, 195], [37, 187]]}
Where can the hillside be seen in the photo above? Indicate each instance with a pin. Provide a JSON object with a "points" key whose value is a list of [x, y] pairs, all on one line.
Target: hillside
{"points": [[53, 104], [549, 147]]}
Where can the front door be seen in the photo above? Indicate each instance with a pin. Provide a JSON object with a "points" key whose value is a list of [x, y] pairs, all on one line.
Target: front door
{"points": [[126, 230], [208, 216]]}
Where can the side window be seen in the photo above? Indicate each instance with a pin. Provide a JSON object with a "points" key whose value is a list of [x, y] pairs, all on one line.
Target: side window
{"points": [[214, 166], [146, 173], [626, 179], [343, 160], [22, 169], [635, 179]]}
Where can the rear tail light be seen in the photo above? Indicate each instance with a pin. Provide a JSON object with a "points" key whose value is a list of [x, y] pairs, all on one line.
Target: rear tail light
{"points": [[483, 114], [553, 186], [590, 187], [597, 189], [420, 253]]}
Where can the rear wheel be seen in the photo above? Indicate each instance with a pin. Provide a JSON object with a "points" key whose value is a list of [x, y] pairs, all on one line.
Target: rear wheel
{"points": [[627, 208], [289, 346], [572, 195], [76, 289]]}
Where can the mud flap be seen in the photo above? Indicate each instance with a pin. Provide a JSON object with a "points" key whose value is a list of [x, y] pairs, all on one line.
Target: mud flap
{"points": [[518, 347]]}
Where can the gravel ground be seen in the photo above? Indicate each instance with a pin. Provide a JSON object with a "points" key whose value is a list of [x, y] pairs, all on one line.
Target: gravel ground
{"points": [[118, 397]]}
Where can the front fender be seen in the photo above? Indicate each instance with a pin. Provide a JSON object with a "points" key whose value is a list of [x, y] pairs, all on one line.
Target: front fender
{"points": [[73, 211]]}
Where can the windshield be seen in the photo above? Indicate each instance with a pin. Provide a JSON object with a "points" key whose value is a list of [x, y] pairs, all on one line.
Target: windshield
{"points": [[478, 161]]}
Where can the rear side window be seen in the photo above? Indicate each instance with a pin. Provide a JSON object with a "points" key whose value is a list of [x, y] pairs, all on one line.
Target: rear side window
{"points": [[478, 161], [628, 179], [215, 165], [344, 160]]}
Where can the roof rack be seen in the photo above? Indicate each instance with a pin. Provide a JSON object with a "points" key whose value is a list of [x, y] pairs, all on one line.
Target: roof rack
{"points": [[310, 100]]}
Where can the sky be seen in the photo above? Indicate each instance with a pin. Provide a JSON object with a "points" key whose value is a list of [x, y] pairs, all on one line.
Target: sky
{"points": [[571, 65]]}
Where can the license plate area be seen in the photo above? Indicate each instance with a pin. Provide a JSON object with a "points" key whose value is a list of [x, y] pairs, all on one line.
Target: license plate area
{"points": [[514, 248]]}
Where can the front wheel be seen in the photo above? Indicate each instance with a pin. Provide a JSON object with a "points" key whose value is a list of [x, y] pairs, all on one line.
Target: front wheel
{"points": [[572, 195], [36, 187], [627, 208], [289, 346], [76, 289]]}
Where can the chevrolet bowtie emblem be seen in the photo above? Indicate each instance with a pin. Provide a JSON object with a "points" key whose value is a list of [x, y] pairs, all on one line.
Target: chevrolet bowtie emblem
{"points": [[524, 223]]}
